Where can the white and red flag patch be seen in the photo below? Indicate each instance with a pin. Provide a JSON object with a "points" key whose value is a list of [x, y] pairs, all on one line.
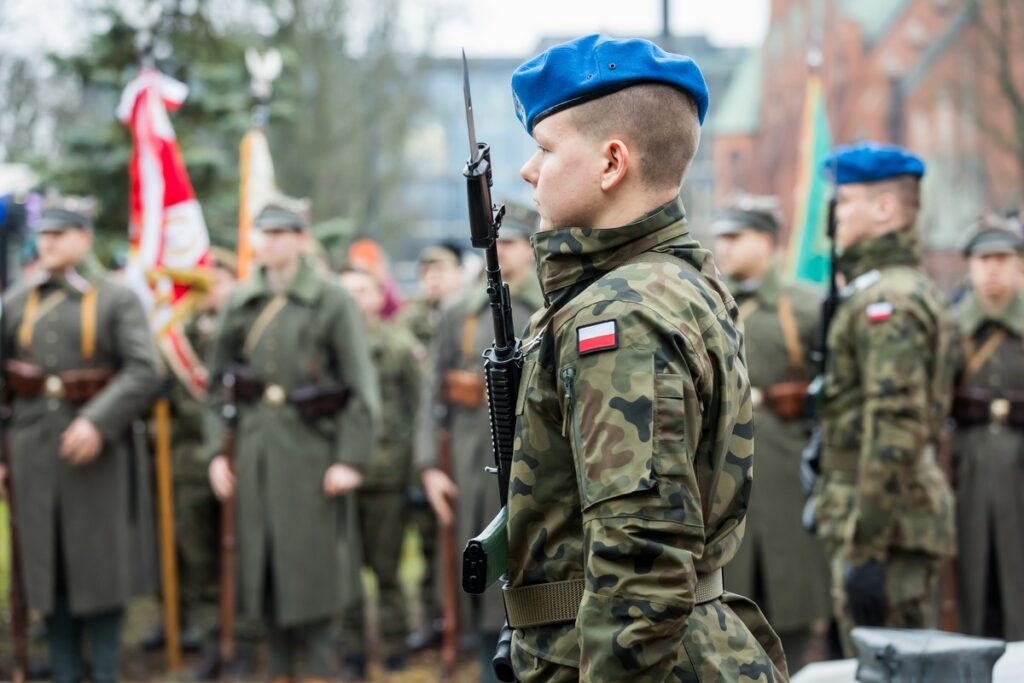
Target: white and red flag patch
{"points": [[597, 337], [878, 312]]}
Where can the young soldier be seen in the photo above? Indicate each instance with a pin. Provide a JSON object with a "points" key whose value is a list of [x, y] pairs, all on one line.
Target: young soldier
{"points": [[293, 347], [397, 358], [884, 508], [459, 403], [634, 440], [779, 565], [80, 366], [989, 442]]}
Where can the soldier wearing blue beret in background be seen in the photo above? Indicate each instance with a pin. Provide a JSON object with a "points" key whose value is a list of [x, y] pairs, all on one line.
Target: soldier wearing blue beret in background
{"points": [[884, 508], [633, 453]]}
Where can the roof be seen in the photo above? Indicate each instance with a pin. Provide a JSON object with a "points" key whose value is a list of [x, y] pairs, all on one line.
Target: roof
{"points": [[739, 111], [876, 17]]}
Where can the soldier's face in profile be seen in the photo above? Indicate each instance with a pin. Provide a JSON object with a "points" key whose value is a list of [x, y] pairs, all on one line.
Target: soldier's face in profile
{"points": [[855, 214], [565, 173], [994, 276], [744, 254], [63, 248]]}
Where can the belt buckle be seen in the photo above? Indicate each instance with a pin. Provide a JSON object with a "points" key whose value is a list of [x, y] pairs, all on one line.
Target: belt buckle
{"points": [[756, 397], [274, 395], [53, 386], [999, 409]]}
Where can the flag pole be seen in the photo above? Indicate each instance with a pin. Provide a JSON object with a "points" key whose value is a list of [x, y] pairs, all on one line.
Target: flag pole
{"points": [[168, 552]]}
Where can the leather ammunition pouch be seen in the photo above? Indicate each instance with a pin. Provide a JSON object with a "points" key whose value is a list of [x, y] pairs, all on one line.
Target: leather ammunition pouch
{"points": [[312, 401], [978, 406], [464, 388], [79, 386]]}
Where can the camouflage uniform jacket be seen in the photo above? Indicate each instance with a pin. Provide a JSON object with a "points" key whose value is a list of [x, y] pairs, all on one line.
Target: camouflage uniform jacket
{"points": [[887, 389], [398, 359], [633, 461]]}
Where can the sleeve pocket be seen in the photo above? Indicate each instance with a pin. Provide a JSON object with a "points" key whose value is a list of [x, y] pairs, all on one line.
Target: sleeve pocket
{"points": [[611, 433]]}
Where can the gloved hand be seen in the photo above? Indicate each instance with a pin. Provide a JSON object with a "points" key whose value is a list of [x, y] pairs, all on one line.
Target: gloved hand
{"points": [[865, 591]]}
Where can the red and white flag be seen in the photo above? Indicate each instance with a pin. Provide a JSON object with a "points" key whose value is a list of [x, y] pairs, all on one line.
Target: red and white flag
{"points": [[170, 245]]}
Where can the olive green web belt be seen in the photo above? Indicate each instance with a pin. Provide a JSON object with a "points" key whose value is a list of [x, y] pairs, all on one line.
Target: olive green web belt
{"points": [[559, 601]]}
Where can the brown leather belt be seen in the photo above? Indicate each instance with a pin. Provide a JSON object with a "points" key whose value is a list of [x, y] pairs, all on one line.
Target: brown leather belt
{"points": [[974, 407]]}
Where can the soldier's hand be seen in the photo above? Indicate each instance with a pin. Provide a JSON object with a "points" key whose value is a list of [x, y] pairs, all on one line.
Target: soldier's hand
{"points": [[441, 491], [81, 442], [341, 479], [865, 591], [222, 479]]}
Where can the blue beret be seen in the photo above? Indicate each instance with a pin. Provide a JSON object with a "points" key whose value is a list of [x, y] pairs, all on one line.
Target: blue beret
{"points": [[586, 68], [869, 162]]}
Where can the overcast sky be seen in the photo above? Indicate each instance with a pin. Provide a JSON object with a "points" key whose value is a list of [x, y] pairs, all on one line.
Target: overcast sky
{"points": [[484, 27]]}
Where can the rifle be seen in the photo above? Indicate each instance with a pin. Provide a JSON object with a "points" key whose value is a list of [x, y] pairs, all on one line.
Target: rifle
{"points": [[228, 533], [810, 458], [503, 366], [450, 585], [19, 609]]}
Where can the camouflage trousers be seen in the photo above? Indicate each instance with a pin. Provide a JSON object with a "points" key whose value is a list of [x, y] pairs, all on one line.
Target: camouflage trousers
{"points": [[382, 521], [911, 586]]}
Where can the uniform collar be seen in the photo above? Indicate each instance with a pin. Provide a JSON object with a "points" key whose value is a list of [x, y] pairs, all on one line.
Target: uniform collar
{"points": [[304, 287], [75, 280], [899, 247], [973, 315], [568, 256]]}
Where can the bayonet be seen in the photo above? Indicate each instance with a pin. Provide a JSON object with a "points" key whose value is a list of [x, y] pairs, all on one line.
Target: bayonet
{"points": [[473, 151]]}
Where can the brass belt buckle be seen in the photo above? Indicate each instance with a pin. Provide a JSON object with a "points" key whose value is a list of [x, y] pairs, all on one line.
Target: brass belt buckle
{"points": [[999, 410], [53, 386], [756, 397], [274, 395]]}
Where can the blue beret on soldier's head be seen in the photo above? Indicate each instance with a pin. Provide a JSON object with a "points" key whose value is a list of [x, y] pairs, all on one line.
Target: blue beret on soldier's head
{"points": [[586, 68], [870, 162]]}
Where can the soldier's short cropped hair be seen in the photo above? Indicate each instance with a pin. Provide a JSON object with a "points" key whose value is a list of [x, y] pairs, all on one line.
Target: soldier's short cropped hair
{"points": [[658, 122], [906, 189]]}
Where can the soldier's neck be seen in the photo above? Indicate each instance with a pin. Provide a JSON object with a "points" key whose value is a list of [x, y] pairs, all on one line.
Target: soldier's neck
{"points": [[996, 305], [278, 278]]}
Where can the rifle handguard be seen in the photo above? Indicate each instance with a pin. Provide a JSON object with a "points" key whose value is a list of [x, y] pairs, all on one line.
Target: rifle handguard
{"points": [[485, 555]]}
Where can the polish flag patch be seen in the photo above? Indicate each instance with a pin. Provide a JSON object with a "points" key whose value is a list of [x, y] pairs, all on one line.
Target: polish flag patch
{"points": [[597, 337], [879, 312]]}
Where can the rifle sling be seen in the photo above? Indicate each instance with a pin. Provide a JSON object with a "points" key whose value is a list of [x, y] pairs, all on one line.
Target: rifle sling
{"points": [[976, 359], [262, 322]]}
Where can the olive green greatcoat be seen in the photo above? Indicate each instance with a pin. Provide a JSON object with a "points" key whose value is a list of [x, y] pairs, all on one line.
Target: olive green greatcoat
{"points": [[286, 523], [470, 427], [989, 478], [100, 507], [791, 562]]}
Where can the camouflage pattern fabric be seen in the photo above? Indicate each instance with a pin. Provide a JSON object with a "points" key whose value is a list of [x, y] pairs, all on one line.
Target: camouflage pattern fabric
{"points": [[888, 387], [634, 461]]}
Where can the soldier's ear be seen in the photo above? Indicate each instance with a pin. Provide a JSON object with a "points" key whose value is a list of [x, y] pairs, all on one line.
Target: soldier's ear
{"points": [[616, 163]]}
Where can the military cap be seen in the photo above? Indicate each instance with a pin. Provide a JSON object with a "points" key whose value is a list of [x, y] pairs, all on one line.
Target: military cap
{"points": [[62, 213], [992, 235], [520, 222], [748, 212], [869, 162], [586, 68], [284, 213], [444, 252]]}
